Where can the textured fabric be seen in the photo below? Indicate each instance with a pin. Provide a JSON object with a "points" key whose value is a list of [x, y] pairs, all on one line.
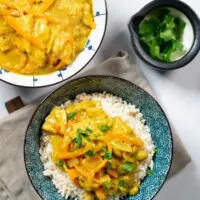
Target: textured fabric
{"points": [[14, 182]]}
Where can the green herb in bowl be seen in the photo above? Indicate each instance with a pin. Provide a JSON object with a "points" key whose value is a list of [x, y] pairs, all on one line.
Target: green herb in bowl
{"points": [[161, 33]]}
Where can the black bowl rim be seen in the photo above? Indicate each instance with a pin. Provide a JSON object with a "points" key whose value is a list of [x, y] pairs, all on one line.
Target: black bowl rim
{"points": [[96, 77], [188, 12], [48, 85]]}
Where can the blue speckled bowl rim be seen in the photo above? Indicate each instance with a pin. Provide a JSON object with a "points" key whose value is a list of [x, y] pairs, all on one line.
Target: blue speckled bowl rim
{"points": [[111, 77], [106, 23]]}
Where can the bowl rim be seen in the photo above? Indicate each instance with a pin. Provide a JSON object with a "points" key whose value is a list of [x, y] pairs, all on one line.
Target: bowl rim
{"points": [[83, 67], [183, 8], [91, 77]]}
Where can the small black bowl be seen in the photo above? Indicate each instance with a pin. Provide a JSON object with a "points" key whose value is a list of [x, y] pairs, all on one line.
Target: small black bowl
{"points": [[175, 4]]}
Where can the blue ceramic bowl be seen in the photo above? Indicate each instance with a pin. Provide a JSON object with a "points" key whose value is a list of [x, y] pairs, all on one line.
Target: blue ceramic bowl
{"points": [[153, 113]]}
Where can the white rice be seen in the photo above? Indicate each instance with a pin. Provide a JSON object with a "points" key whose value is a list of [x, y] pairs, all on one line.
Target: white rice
{"points": [[113, 106]]}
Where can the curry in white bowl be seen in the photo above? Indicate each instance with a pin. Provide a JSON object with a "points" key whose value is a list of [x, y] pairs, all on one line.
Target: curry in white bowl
{"points": [[40, 37]]}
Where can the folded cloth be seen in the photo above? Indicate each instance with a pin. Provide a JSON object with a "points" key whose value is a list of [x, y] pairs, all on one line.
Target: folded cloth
{"points": [[14, 182]]}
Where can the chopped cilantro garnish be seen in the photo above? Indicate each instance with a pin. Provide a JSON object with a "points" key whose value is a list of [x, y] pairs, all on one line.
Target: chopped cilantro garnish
{"points": [[128, 167], [121, 183], [71, 115], [106, 184], [117, 191], [79, 131], [90, 153], [82, 132], [97, 135], [78, 140], [155, 149], [104, 149], [60, 163], [149, 172], [104, 128], [107, 154], [88, 139], [89, 130], [161, 33]]}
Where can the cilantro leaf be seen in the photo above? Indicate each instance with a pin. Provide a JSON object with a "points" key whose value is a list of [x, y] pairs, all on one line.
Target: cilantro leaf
{"points": [[108, 155], [71, 115], [106, 184], [104, 149], [121, 183], [160, 13], [149, 172], [90, 153], [155, 51], [168, 22], [149, 27], [82, 132], [160, 34], [180, 26], [167, 51], [78, 140], [177, 46], [155, 149], [167, 35], [97, 135], [89, 130], [104, 128], [60, 163], [128, 167]]}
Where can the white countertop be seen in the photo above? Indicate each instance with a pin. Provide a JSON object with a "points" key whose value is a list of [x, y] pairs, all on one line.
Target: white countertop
{"points": [[178, 93]]}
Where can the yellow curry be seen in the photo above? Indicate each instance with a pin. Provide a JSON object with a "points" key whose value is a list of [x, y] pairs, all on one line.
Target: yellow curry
{"points": [[42, 36], [100, 154]]}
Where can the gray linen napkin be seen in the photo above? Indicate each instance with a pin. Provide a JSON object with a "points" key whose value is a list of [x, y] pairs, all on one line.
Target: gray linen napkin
{"points": [[14, 183]]}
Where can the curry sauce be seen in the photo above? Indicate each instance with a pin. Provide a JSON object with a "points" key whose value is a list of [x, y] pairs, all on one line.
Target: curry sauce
{"points": [[100, 154], [42, 36]]}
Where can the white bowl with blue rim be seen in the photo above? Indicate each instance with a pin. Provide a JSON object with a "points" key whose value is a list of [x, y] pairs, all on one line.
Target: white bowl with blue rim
{"points": [[91, 48]]}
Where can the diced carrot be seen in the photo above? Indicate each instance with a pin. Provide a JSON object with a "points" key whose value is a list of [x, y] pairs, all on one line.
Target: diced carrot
{"points": [[97, 181], [108, 144], [13, 6], [74, 154], [130, 140], [23, 62], [30, 1], [100, 194], [10, 12], [58, 129], [13, 23], [113, 173], [98, 148], [84, 172], [73, 174], [98, 174], [47, 17], [46, 5], [100, 166]]}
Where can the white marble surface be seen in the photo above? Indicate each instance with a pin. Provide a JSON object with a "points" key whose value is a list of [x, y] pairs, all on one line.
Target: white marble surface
{"points": [[178, 92]]}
